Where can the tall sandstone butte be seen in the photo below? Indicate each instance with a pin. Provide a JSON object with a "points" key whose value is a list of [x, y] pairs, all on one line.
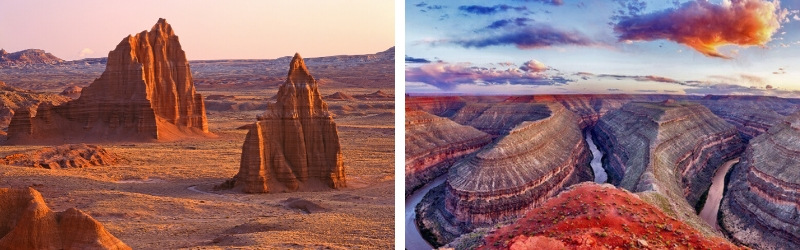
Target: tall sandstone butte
{"points": [[294, 145], [27, 223], [761, 207], [145, 93]]}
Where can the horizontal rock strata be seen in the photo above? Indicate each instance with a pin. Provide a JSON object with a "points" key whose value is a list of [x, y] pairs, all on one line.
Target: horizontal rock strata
{"points": [[295, 144], [27, 223], [669, 150], [146, 93], [533, 162], [433, 144], [761, 207]]}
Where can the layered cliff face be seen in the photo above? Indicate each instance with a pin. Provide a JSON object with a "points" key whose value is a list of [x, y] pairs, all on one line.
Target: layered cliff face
{"points": [[591, 216], [751, 116], [517, 172], [27, 223], [433, 144], [145, 93], [295, 144], [761, 207], [28, 57], [14, 100], [666, 150]]}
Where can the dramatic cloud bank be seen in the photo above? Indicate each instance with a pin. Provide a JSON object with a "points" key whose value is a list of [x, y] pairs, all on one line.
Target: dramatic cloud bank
{"points": [[705, 26], [447, 76], [529, 37]]}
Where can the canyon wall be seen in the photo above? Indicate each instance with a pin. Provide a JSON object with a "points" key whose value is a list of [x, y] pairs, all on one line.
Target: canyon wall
{"points": [[433, 144], [761, 205], [668, 150], [532, 162]]}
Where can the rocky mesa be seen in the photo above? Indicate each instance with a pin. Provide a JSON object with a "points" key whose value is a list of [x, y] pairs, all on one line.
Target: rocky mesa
{"points": [[27, 223], [145, 93], [761, 206], [295, 144], [667, 152], [433, 144], [534, 161]]}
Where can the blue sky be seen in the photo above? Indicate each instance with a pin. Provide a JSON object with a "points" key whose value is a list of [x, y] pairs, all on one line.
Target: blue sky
{"points": [[609, 46]]}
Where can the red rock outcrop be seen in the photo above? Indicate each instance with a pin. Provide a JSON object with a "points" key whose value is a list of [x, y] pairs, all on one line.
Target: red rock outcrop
{"points": [[64, 156], [340, 96], [666, 151], [14, 99], [433, 144], [145, 93], [761, 206], [517, 172], [295, 144], [73, 92], [592, 216], [27, 57], [27, 223]]}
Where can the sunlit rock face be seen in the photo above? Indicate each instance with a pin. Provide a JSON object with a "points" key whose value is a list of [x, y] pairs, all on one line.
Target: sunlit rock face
{"points": [[145, 93], [433, 144], [761, 205], [295, 144], [667, 150], [27, 223], [533, 161]]}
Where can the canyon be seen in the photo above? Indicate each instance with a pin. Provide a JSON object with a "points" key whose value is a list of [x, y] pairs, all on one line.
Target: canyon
{"points": [[761, 205], [666, 150]]}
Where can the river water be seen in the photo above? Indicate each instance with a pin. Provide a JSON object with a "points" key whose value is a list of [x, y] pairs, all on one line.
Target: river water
{"points": [[711, 208], [413, 237], [600, 175]]}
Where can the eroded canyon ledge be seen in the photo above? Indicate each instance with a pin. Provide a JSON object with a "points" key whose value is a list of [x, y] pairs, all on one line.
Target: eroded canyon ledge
{"points": [[538, 152], [761, 207], [667, 152], [294, 145], [146, 93]]}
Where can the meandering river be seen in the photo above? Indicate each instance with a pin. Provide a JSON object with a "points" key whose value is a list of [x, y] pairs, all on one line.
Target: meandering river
{"points": [[711, 208], [600, 175], [414, 239]]}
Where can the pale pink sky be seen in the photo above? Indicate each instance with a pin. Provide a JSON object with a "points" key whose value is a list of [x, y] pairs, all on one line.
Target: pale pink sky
{"points": [[207, 29]]}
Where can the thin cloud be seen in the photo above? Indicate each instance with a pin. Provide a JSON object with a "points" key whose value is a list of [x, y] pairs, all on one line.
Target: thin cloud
{"points": [[85, 52], [705, 26], [533, 66], [448, 76], [416, 60], [489, 10], [530, 37]]}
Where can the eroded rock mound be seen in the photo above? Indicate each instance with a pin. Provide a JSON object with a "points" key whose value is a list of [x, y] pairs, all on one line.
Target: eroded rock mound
{"points": [[28, 57], [592, 216], [295, 144], [146, 93], [534, 161], [340, 96], [433, 144], [64, 156], [27, 223], [668, 150], [761, 207]]}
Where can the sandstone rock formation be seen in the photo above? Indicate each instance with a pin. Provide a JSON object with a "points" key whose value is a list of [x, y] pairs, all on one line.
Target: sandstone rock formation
{"points": [[145, 93], [73, 92], [591, 216], [27, 223], [64, 156], [761, 207], [27, 57], [667, 151], [340, 96], [518, 171], [16, 99], [433, 144], [295, 144]]}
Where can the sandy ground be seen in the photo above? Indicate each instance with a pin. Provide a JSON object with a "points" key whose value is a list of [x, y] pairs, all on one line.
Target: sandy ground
{"points": [[161, 196]]}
